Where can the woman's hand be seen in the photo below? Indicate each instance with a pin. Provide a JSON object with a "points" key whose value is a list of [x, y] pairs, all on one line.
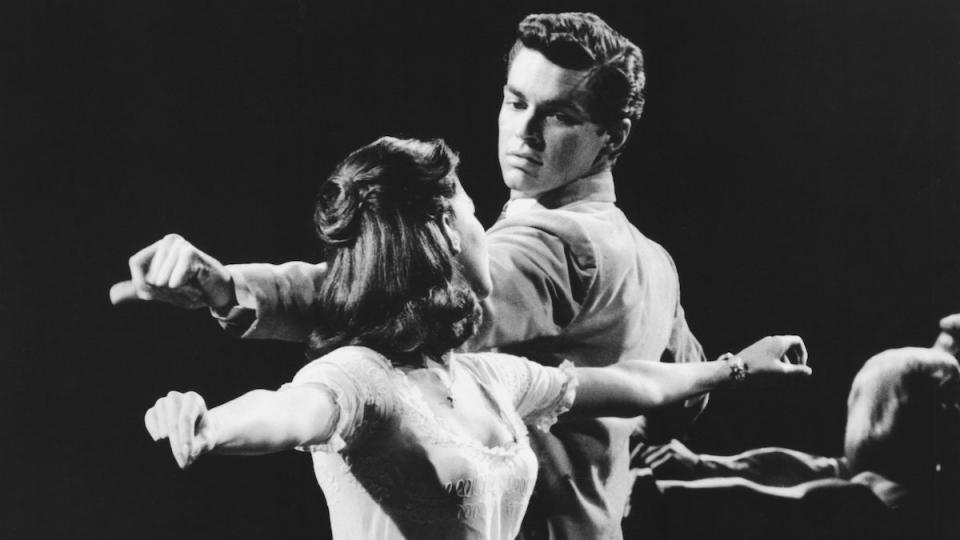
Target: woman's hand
{"points": [[185, 421], [776, 356]]}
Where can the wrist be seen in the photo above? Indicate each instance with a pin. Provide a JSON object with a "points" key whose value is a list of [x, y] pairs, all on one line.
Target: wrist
{"points": [[224, 299], [211, 431], [738, 369]]}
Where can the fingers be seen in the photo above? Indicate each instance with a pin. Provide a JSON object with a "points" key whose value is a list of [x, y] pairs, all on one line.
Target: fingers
{"points": [[139, 263], [160, 275], [170, 409], [951, 323], [183, 271], [777, 355], [795, 351], [123, 293], [166, 271], [154, 264], [152, 424], [797, 370], [175, 418], [656, 455], [143, 266], [159, 258], [661, 459], [946, 342], [192, 407], [794, 359]]}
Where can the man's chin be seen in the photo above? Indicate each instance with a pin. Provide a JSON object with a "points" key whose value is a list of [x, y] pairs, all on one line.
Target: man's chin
{"points": [[518, 180]]}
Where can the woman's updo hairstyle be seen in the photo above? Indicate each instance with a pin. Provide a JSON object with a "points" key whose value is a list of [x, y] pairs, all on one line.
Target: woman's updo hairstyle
{"points": [[390, 283]]}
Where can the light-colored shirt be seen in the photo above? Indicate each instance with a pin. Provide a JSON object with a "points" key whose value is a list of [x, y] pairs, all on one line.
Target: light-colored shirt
{"points": [[395, 469], [574, 279]]}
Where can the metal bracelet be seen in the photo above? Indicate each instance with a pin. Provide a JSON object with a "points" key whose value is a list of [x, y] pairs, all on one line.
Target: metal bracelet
{"points": [[738, 369]]}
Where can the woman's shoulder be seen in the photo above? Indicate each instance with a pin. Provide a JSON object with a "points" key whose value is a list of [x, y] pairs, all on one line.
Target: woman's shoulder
{"points": [[491, 365], [354, 359]]}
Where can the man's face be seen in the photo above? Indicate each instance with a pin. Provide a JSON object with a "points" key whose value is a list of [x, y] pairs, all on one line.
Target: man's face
{"points": [[546, 139]]}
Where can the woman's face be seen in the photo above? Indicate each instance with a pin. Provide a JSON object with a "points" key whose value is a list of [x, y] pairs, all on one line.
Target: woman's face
{"points": [[474, 263]]}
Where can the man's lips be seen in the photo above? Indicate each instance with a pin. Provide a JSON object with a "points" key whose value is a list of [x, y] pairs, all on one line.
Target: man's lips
{"points": [[519, 159]]}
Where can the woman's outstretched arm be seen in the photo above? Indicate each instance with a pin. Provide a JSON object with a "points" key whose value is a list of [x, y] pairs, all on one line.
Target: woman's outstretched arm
{"points": [[631, 388], [259, 422]]}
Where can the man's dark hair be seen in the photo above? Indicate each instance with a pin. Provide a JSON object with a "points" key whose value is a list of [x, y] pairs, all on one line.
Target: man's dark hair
{"points": [[391, 280], [584, 42]]}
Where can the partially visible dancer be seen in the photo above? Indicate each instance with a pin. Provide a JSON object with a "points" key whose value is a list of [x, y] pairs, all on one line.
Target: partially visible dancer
{"points": [[898, 477], [777, 467], [572, 278], [410, 439], [770, 466]]}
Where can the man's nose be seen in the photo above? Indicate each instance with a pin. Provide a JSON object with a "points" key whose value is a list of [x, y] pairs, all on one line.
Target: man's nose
{"points": [[530, 129]]}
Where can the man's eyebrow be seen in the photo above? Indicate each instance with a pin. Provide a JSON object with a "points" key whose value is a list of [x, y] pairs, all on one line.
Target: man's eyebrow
{"points": [[553, 104], [514, 91]]}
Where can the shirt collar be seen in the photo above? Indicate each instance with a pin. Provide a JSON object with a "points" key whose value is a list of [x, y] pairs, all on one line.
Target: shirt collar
{"points": [[594, 188]]}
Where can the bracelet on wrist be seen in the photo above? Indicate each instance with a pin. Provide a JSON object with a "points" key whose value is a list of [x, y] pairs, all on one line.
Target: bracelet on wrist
{"points": [[738, 369]]}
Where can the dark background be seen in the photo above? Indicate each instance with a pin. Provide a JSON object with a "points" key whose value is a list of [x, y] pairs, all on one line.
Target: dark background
{"points": [[800, 160]]}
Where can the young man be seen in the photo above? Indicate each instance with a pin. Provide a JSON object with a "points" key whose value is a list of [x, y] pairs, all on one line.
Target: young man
{"points": [[572, 278]]}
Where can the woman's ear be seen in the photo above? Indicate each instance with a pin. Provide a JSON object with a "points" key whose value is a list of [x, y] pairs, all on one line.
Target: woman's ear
{"points": [[451, 234]]}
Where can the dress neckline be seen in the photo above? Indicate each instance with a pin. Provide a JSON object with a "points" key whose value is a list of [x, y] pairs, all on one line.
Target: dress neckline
{"points": [[515, 428]]}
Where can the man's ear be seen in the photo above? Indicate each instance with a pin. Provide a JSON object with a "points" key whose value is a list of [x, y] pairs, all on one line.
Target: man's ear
{"points": [[451, 234], [618, 134]]}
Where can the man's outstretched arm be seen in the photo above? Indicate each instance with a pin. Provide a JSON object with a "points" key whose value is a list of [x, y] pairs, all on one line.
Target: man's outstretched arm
{"points": [[249, 300]]}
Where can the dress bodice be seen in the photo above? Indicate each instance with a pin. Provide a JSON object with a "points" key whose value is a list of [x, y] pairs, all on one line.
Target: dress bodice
{"points": [[396, 469]]}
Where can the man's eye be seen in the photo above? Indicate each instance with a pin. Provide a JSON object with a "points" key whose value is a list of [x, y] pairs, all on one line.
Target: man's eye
{"points": [[565, 119], [514, 104]]}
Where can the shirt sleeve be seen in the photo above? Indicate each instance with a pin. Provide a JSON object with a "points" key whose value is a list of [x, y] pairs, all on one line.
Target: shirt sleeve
{"points": [[273, 301], [539, 393], [683, 347], [356, 381], [539, 284]]}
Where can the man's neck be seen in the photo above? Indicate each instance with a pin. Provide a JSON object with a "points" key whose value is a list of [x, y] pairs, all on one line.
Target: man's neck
{"points": [[597, 186]]}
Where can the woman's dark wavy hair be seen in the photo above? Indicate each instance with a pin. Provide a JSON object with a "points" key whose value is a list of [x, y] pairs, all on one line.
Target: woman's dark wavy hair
{"points": [[391, 282]]}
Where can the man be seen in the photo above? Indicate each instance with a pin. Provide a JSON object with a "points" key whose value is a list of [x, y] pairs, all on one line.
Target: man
{"points": [[572, 278]]}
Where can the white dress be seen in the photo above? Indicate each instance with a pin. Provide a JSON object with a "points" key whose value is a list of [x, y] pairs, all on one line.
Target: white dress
{"points": [[394, 470]]}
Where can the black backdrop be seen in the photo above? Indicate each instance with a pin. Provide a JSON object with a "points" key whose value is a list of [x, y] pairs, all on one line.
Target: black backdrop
{"points": [[800, 160]]}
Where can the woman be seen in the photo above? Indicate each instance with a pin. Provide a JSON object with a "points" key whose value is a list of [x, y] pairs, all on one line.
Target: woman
{"points": [[409, 439]]}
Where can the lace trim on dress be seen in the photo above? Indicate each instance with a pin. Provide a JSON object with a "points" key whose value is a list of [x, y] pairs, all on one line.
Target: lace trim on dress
{"points": [[437, 430], [563, 402]]}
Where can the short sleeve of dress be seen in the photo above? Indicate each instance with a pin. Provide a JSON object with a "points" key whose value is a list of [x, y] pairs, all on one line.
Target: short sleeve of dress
{"points": [[356, 379], [540, 393]]}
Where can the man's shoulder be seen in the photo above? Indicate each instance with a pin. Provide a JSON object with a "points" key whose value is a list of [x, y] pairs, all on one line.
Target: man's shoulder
{"points": [[582, 227], [571, 223]]}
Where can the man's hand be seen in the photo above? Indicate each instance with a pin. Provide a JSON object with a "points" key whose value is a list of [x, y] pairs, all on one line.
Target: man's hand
{"points": [[949, 338], [172, 270], [184, 420], [673, 461]]}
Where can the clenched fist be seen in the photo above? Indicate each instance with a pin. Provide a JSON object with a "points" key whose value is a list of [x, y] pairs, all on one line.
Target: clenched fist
{"points": [[172, 270], [184, 420]]}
